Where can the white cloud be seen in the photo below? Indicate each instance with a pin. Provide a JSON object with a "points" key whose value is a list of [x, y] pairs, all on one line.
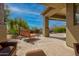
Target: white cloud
{"points": [[26, 11], [14, 9]]}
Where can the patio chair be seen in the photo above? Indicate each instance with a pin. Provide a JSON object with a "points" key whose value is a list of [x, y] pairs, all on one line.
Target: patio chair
{"points": [[8, 48], [26, 33], [76, 48], [28, 37], [36, 52]]}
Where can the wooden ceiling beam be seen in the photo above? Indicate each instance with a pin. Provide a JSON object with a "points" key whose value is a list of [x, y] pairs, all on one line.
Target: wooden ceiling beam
{"points": [[59, 16], [52, 12], [47, 10], [56, 11], [55, 5]]}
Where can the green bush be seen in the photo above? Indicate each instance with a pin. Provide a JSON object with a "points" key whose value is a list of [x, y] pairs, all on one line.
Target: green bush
{"points": [[59, 29], [13, 32], [35, 30]]}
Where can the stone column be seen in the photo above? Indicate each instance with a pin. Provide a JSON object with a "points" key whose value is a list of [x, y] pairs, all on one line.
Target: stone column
{"points": [[72, 31], [2, 24], [46, 27]]}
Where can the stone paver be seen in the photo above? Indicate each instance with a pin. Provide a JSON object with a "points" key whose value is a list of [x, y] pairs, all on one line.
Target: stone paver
{"points": [[51, 46]]}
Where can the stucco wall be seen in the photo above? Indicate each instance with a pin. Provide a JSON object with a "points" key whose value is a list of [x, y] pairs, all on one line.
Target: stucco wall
{"points": [[3, 30], [3, 33], [72, 31]]}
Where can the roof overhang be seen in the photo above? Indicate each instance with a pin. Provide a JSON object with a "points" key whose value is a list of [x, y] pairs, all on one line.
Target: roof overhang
{"points": [[55, 11]]}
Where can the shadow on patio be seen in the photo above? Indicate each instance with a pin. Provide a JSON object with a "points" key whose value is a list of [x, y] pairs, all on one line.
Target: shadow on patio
{"points": [[32, 40], [58, 38]]}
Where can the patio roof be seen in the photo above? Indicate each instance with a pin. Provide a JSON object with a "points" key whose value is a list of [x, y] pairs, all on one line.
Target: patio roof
{"points": [[56, 11]]}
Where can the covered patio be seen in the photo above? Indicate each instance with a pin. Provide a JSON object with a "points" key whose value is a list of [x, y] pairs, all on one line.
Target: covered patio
{"points": [[62, 12], [51, 46], [53, 12]]}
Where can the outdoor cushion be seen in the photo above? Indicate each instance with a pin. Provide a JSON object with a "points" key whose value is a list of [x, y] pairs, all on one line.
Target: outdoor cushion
{"points": [[36, 52], [76, 48], [0, 47], [6, 51]]}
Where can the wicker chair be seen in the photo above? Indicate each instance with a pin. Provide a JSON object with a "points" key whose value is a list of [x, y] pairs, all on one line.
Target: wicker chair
{"points": [[8, 48], [76, 48]]}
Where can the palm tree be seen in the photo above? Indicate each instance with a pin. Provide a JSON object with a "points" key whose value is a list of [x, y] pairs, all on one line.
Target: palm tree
{"points": [[22, 24], [11, 26], [16, 24]]}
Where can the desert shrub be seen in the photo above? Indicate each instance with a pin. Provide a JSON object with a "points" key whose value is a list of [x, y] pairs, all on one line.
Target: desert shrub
{"points": [[35, 30], [59, 29], [13, 31]]}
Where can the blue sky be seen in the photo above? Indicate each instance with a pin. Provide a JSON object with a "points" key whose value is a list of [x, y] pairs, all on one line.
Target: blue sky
{"points": [[31, 12]]}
